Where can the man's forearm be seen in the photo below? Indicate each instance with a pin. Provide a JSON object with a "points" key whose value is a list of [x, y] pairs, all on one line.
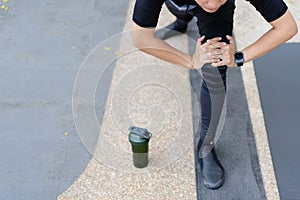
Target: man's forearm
{"points": [[162, 50], [266, 43], [143, 39], [283, 29]]}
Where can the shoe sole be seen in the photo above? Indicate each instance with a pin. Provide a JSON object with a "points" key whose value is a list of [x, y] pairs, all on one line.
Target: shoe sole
{"points": [[214, 186]]}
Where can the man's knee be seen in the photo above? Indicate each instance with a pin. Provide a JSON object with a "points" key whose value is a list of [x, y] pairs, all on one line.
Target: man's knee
{"points": [[215, 78]]}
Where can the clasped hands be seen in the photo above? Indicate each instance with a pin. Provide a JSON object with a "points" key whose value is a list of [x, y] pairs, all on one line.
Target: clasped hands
{"points": [[215, 52]]}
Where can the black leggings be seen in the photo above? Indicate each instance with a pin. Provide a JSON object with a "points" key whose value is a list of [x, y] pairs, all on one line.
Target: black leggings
{"points": [[212, 96], [213, 89]]}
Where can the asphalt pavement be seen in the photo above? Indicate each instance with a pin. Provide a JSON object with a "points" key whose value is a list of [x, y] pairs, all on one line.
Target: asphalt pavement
{"points": [[43, 44]]}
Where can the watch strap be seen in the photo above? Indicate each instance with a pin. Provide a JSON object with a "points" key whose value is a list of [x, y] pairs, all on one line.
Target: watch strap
{"points": [[239, 58]]}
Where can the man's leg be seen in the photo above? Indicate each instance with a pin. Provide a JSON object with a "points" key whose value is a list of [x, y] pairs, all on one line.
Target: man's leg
{"points": [[212, 96], [213, 93], [179, 25]]}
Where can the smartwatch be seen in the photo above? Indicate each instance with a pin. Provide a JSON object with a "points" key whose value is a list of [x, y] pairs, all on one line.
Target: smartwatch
{"points": [[239, 58]]}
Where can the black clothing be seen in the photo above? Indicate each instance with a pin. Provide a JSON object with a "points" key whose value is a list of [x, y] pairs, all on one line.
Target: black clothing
{"points": [[217, 24], [185, 2], [212, 171], [146, 12], [182, 12]]}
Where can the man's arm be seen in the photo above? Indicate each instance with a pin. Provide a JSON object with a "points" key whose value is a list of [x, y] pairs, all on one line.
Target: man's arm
{"points": [[144, 39], [283, 29]]}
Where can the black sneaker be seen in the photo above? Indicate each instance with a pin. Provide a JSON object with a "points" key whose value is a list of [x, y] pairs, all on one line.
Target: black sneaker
{"points": [[212, 171], [177, 27]]}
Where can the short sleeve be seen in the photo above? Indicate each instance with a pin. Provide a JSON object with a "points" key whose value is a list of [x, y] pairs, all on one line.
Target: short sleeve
{"points": [[146, 12], [270, 9]]}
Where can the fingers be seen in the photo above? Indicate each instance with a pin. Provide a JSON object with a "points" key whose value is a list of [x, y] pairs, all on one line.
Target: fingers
{"points": [[213, 51], [210, 41], [227, 57], [213, 41], [230, 38], [199, 41], [216, 52], [216, 39], [214, 44], [225, 48], [218, 63]]}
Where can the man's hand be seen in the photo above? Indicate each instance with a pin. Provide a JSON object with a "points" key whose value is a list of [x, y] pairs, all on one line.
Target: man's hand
{"points": [[208, 52], [227, 54]]}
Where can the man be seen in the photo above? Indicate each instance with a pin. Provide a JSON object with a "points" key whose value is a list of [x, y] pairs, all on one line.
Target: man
{"points": [[214, 52]]}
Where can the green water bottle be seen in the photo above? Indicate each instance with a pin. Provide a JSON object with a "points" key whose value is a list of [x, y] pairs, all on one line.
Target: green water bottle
{"points": [[139, 139]]}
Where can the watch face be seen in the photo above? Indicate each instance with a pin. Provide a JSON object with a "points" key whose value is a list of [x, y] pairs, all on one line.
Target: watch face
{"points": [[239, 58]]}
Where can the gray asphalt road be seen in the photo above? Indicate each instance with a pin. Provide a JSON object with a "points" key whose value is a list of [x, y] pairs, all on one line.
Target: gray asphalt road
{"points": [[42, 46]]}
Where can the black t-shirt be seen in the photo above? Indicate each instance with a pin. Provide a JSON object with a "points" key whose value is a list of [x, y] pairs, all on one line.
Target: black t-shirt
{"points": [[146, 12]]}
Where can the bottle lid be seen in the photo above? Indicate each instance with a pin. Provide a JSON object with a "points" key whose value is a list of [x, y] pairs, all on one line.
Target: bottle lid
{"points": [[142, 132]]}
